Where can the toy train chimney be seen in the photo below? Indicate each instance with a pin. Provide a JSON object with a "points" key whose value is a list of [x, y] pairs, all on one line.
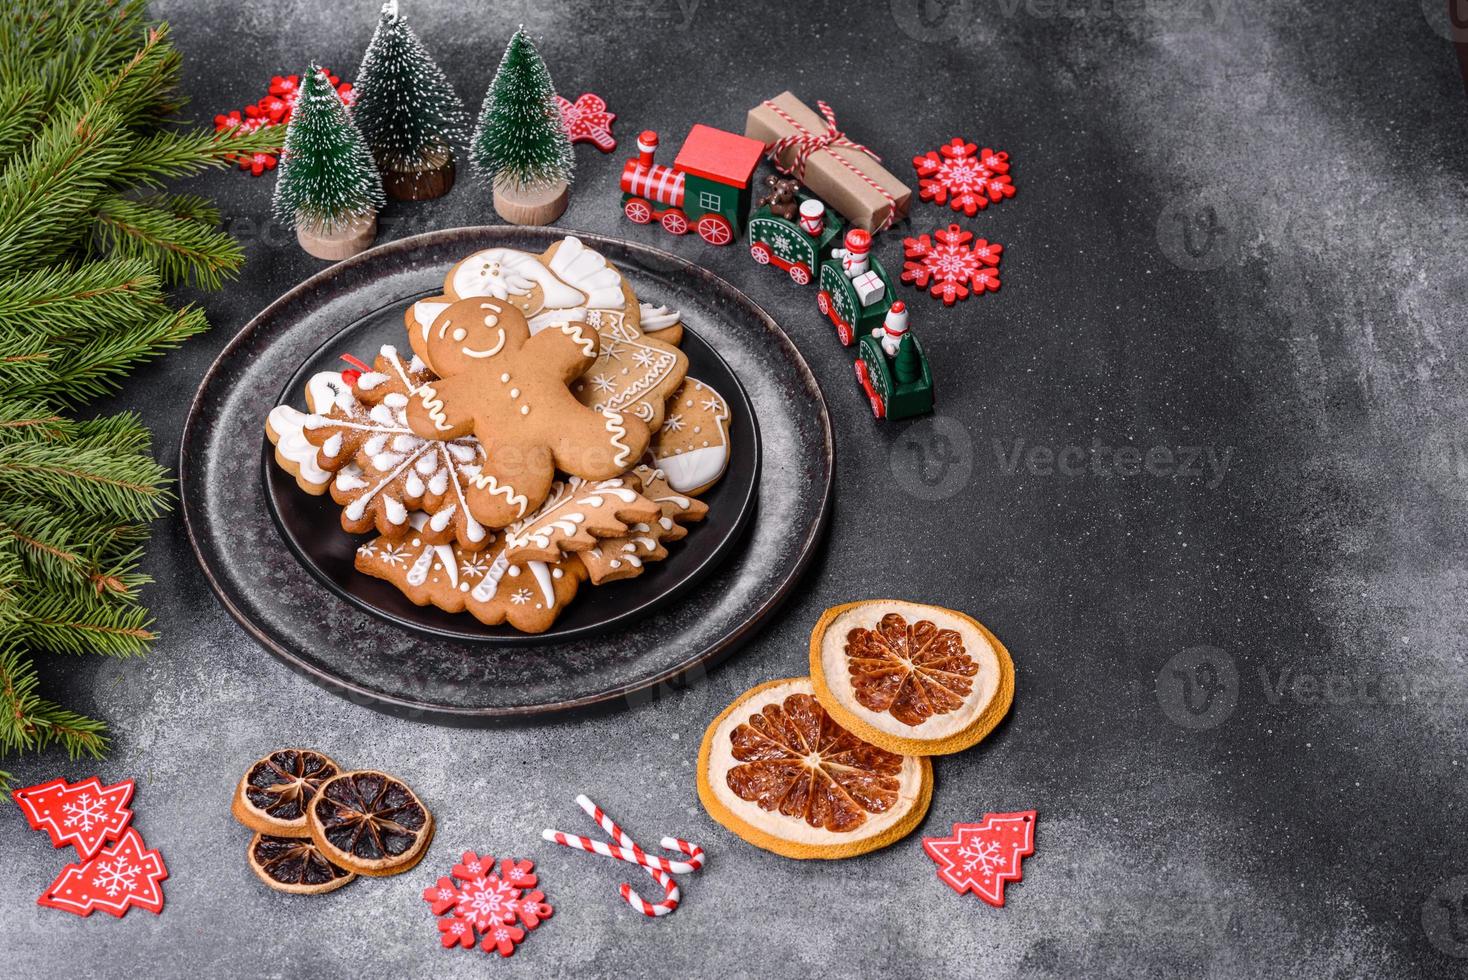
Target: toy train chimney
{"points": [[647, 148], [813, 217]]}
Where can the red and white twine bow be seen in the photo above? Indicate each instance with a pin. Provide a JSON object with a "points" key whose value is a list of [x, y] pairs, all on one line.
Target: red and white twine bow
{"points": [[806, 143], [660, 869]]}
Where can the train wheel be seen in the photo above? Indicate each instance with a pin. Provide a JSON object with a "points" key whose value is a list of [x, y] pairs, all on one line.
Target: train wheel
{"points": [[843, 332], [800, 273], [715, 229], [863, 378], [759, 253], [675, 223], [823, 302], [637, 210]]}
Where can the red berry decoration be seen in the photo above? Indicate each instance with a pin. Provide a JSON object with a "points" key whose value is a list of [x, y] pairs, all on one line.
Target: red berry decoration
{"points": [[274, 108], [948, 267], [981, 857], [492, 909], [964, 177]]}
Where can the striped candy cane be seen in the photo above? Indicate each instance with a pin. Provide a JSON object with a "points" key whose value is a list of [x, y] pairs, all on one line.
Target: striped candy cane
{"points": [[660, 869]]}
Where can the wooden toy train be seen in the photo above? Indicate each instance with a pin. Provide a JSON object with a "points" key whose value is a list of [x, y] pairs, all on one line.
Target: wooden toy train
{"points": [[708, 189]]}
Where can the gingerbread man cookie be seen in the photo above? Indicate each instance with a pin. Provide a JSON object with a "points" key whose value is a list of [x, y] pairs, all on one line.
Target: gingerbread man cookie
{"points": [[511, 390], [692, 447], [568, 283]]}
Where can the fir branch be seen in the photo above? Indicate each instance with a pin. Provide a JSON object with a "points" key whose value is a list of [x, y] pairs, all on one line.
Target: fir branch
{"points": [[56, 548], [178, 246], [20, 117], [31, 723], [77, 621], [178, 154], [76, 302], [32, 420], [91, 478]]}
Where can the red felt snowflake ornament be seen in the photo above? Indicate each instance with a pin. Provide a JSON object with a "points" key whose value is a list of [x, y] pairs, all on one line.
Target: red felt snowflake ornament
{"points": [[480, 905], [981, 857], [964, 177], [947, 266]]}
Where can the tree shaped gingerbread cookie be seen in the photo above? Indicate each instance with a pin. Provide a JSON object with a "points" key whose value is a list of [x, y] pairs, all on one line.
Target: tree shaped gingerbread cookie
{"points": [[511, 390]]}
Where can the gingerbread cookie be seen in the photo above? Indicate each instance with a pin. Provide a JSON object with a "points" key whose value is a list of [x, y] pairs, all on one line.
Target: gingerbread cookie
{"points": [[577, 514], [528, 595], [614, 559], [285, 427], [510, 389], [632, 373], [568, 283], [662, 322], [692, 447]]}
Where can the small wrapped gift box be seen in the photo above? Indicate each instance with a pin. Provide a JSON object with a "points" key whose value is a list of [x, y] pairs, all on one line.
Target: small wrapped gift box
{"points": [[840, 171]]}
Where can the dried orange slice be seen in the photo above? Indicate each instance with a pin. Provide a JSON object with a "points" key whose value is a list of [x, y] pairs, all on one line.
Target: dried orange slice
{"points": [[778, 771], [295, 865], [370, 823], [273, 793], [911, 678]]}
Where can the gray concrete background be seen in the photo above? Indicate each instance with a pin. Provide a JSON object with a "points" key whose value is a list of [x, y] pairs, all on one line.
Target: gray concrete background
{"points": [[1240, 696]]}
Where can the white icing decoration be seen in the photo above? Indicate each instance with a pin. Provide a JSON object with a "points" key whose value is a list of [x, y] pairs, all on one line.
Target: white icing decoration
{"points": [[291, 443], [699, 467], [588, 271], [502, 272], [424, 313], [578, 336], [542, 576], [371, 380], [434, 405], [655, 318]]}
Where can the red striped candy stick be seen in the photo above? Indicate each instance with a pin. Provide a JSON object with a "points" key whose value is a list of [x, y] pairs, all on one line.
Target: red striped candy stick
{"points": [[670, 887]]}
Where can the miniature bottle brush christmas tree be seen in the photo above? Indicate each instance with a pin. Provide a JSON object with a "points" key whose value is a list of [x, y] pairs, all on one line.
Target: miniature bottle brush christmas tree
{"points": [[328, 187], [407, 111], [520, 145]]}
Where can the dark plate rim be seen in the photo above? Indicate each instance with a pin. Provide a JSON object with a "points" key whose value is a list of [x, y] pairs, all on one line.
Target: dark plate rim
{"points": [[709, 656], [671, 593]]}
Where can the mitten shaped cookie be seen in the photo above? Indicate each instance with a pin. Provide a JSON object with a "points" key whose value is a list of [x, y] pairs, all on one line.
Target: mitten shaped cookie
{"points": [[511, 390]]}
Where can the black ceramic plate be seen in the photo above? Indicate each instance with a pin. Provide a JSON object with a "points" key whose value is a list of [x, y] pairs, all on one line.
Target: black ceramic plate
{"points": [[329, 553], [371, 660]]}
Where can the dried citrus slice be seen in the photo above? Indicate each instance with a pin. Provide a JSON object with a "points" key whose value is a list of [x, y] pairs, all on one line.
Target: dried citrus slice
{"points": [[295, 865], [272, 795], [911, 678], [370, 823], [782, 774]]}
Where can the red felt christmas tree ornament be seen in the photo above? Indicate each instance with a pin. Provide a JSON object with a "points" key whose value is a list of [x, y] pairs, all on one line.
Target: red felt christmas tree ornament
{"points": [[981, 857]]}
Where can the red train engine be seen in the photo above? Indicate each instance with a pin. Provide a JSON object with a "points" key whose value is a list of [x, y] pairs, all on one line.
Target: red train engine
{"points": [[707, 188]]}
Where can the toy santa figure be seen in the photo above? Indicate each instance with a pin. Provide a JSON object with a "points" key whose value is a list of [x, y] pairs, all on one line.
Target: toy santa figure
{"points": [[856, 257], [893, 329]]}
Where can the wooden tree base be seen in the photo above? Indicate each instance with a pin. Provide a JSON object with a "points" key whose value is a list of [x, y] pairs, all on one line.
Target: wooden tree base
{"points": [[419, 185], [341, 242], [535, 206]]}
